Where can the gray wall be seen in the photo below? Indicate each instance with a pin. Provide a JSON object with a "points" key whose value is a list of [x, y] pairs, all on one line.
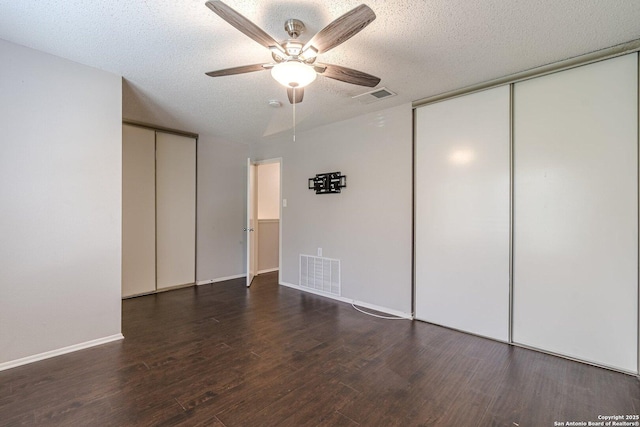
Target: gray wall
{"points": [[368, 225], [60, 186], [222, 189]]}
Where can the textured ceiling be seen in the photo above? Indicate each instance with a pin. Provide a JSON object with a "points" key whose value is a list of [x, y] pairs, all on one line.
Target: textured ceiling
{"points": [[418, 48]]}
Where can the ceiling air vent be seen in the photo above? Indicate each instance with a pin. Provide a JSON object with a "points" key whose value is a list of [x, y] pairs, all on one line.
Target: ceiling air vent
{"points": [[374, 95]]}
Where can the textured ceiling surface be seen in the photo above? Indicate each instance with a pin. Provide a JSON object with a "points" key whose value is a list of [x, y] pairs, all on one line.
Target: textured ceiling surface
{"points": [[162, 48]]}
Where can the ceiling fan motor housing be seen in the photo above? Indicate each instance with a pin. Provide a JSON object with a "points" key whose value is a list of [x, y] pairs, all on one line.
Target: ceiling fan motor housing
{"points": [[294, 28]]}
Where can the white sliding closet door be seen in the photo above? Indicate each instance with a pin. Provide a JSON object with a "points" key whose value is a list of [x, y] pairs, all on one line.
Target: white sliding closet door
{"points": [[176, 209], [462, 213], [576, 213], [138, 211]]}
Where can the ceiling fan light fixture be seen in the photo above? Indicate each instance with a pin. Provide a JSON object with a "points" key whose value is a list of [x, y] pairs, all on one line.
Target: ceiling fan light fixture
{"points": [[293, 74]]}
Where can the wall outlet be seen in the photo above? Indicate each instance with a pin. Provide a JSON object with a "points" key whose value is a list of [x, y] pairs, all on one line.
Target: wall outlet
{"points": [[319, 251], [284, 203]]}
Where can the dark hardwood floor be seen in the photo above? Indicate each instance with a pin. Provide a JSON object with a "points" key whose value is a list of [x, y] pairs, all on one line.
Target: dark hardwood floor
{"points": [[225, 355]]}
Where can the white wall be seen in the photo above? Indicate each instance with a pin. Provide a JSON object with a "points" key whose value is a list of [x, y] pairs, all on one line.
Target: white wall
{"points": [[269, 191], [222, 189], [60, 186], [368, 225]]}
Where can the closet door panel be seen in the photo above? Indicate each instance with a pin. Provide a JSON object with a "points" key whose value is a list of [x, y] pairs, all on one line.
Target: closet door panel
{"points": [[176, 209], [462, 213], [138, 211], [576, 213]]}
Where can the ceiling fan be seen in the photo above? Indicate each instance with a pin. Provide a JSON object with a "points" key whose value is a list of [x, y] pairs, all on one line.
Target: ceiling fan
{"points": [[295, 63]]}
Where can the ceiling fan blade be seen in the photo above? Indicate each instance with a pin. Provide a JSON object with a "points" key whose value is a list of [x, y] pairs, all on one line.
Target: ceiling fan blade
{"points": [[243, 24], [341, 29], [349, 75], [299, 95], [239, 70]]}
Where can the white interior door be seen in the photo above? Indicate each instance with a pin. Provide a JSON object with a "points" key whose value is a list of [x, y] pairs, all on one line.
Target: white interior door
{"points": [[576, 213], [251, 222], [138, 211], [462, 213], [176, 209]]}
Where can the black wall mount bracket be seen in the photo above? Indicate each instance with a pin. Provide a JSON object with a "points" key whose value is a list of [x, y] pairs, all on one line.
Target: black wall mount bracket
{"points": [[328, 183]]}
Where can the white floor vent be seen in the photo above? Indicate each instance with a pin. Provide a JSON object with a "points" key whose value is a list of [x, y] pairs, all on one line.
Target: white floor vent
{"points": [[320, 274]]}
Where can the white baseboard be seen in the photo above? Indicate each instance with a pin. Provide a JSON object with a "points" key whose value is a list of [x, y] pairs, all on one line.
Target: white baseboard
{"points": [[219, 279], [64, 350], [268, 270], [390, 311]]}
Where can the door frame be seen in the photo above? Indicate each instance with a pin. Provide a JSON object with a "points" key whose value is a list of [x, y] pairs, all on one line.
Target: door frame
{"points": [[254, 163]]}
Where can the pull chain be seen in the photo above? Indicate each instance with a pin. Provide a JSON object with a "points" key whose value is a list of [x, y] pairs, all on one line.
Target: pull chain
{"points": [[294, 114]]}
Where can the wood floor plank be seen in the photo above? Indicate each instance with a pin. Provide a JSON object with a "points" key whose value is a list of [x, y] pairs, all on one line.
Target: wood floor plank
{"points": [[224, 355], [336, 419]]}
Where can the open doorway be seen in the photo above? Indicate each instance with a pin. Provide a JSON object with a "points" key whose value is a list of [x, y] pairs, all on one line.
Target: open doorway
{"points": [[265, 218]]}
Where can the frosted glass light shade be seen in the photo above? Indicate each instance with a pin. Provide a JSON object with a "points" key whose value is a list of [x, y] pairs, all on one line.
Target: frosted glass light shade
{"points": [[293, 74]]}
